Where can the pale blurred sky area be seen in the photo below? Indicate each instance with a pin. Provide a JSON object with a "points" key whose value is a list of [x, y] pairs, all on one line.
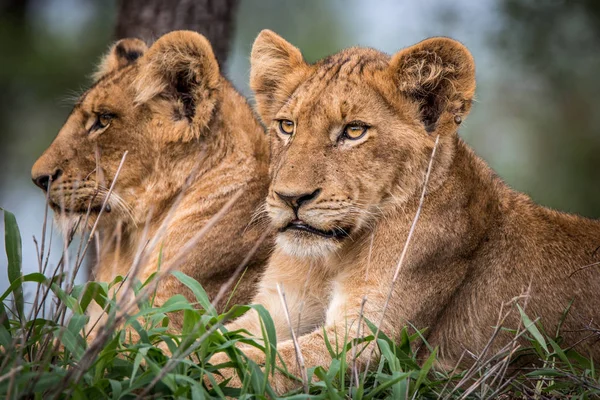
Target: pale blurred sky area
{"points": [[533, 122]]}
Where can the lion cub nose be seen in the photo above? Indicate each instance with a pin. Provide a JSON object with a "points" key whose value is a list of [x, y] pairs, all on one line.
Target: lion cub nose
{"points": [[295, 201], [43, 180]]}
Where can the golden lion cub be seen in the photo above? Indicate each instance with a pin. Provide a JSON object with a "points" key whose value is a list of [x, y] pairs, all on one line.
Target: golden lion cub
{"points": [[352, 137], [192, 144]]}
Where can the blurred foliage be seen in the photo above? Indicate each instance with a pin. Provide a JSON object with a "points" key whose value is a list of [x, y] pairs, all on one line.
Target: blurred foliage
{"points": [[553, 45], [43, 62]]}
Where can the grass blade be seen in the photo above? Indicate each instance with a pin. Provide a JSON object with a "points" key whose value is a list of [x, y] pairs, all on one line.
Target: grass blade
{"points": [[198, 291], [530, 326], [425, 369], [13, 245]]}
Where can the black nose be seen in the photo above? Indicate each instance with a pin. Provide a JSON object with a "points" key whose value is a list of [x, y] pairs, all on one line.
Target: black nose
{"points": [[43, 181], [295, 201]]}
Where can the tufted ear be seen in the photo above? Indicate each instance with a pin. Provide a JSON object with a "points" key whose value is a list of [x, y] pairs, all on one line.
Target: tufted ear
{"points": [[438, 74], [276, 68], [121, 54], [181, 67]]}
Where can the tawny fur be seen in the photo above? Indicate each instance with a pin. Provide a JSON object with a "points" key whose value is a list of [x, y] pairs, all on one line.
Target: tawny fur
{"points": [[176, 116], [477, 244]]}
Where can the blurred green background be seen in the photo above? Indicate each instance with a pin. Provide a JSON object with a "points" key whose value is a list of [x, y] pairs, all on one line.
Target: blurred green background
{"points": [[536, 118]]}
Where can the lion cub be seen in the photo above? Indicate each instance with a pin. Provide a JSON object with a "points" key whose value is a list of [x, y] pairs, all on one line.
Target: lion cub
{"points": [[352, 137], [192, 143]]}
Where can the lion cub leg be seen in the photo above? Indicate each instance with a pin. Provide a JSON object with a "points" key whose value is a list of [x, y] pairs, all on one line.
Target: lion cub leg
{"points": [[342, 325], [327, 308]]}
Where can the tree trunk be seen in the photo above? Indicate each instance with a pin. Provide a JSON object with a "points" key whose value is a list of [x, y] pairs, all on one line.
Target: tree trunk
{"points": [[149, 19], [15, 9]]}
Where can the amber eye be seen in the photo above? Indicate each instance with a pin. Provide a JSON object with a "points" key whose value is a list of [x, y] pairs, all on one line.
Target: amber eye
{"points": [[102, 121], [286, 126], [354, 131]]}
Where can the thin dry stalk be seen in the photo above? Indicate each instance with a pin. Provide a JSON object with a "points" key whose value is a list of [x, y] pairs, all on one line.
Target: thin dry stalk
{"points": [[49, 247], [44, 225], [584, 267], [11, 385], [104, 203], [78, 257], [38, 286], [299, 357], [359, 331], [303, 297], [131, 275], [404, 251], [496, 372]]}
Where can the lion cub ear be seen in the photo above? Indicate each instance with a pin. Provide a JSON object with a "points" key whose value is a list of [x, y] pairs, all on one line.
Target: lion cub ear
{"points": [[276, 68], [181, 67], [121, 54], [438, 74]]}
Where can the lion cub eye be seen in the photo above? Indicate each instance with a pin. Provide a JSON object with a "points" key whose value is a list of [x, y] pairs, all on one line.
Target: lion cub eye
{"points": [[102, 121], [354, 131], [286, 127]]}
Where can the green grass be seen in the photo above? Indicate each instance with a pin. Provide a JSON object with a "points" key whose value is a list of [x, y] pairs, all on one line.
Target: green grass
{"points": [[44, 353]]}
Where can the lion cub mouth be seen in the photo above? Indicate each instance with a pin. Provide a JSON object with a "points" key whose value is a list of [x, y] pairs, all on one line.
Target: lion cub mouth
{"points": [[300, 225], [79, 210]]}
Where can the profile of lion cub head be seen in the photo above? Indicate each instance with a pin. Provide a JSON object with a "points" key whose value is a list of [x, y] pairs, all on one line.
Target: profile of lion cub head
{"points": [[175, 142], [352, 137]]}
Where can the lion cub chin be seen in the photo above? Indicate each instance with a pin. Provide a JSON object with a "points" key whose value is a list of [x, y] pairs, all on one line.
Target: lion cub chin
{"points": [[352, 137], [188, 144]]}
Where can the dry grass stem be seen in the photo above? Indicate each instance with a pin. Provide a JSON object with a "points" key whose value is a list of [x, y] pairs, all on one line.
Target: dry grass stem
{"points": [[104, 203], [404, 250], [298, 350]]}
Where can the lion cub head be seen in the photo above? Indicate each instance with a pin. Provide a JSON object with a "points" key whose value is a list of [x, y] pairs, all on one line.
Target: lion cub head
{"points": [[352, 134], [152, 103]]}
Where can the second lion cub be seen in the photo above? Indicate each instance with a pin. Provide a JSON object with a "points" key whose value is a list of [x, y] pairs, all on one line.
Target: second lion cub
{"points": [[352, 137], [192, 144]]}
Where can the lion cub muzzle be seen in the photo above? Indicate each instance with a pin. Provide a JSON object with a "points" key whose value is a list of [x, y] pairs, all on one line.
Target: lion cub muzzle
{"points": [[295, 202], [304, 221]]}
